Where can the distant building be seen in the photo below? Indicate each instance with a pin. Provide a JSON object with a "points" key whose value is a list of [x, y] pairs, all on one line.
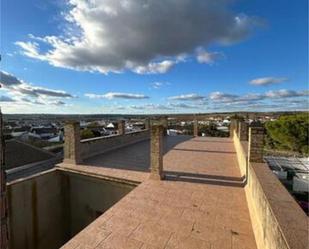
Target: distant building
{"points": [[45, 132], [30, 159]]}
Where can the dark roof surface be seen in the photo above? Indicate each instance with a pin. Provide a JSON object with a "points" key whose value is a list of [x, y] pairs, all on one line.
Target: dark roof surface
{"points": [[44, 130], [18, 154]]}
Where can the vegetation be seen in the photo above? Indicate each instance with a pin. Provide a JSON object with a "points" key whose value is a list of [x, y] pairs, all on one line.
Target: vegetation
{"points": [[211, 131], [237, 117], [289, 133], [86, 133], [93, 124]]}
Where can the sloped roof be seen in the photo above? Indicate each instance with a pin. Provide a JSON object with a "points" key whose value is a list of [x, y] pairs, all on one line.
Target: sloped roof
{"points": [[18, 154], [43, 130]]}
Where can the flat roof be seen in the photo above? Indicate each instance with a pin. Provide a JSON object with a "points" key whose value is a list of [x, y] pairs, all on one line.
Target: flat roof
{"points": [[200, 204]]}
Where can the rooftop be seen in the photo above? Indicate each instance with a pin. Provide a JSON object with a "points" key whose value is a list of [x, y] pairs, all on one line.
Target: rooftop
{"points": [[201, 204], [184, 192], [27, 154]]}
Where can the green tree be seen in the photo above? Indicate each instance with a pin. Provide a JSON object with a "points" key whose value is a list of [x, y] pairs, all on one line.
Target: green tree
{"points": [[86, 133], [289, 133], [237, 117], [93, 124]]}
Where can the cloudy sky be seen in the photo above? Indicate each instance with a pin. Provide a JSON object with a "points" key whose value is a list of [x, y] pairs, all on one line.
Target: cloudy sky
{"points": [[153, 56]]}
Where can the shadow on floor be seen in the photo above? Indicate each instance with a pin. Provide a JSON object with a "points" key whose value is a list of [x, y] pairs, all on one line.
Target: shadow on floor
{"points": [[211, 141], [229, 181], [209, 151], [205, 176]]}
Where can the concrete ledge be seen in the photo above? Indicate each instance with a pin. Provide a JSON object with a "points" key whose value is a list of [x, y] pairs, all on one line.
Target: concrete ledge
{"points": [[95, 146], [278, 221], [116, 175]]}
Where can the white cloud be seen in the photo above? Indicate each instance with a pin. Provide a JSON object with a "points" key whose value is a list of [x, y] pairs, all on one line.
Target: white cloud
{"points": [[271, 100], [278, 94], [7, 79], [145, 36], [31, 49], [183, 106], [154, 68], [222, 97], [158, 85], [187, 97], [203, 56], [116, 95], [265, 81], [15, 85], [154, 107], [27, 94], [283, 93]]}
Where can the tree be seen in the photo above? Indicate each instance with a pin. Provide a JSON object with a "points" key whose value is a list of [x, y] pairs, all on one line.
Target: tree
{"points": [[237, 117], [93, 124], [289, 132], [86, 133]]}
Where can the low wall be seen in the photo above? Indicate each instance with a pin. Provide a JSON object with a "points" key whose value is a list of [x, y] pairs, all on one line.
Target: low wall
{"points": [[36, 215], [46, 210], [278, 222], [95, 146]]}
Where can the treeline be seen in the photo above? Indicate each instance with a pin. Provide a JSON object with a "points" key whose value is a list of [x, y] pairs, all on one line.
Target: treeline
{"points": [[288, 133]]}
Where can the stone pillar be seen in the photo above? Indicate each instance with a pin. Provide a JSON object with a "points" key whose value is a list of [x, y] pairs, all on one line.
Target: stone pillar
{"points": [[165, 125], [72, 145], [147, 124], [233, 126], [4, 214], [243, 131], [256, 143], [121, 127], [156, 152], [195, 128]]}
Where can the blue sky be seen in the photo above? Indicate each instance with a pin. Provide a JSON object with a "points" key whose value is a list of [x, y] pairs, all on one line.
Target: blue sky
{"points": [[153, 56]]}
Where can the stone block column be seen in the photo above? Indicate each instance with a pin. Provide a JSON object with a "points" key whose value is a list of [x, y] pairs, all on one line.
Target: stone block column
{"points": [[243, 131], [195, 128], [156, 152], [147, 123], [233, 127], [164, 121], [121, 127], [72, 145], [256, 143]]}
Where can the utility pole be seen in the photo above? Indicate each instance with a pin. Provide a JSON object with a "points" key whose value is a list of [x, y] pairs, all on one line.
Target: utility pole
{"points": [[4, 229]]}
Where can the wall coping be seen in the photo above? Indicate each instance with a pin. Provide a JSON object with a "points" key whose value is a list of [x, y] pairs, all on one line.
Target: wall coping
{"points": [[94, 139], [27, 178]]}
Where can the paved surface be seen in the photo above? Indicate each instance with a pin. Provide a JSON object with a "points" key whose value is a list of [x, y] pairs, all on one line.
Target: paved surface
{"points": [[202, 203], [134, 157]]}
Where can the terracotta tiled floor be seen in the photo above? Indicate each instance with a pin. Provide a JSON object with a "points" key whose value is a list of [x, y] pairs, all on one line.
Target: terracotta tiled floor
{"points": [[198, 211]]}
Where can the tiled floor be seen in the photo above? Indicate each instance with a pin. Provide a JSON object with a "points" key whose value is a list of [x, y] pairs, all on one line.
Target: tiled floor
{"points": [[134, 157], [195, 208]]}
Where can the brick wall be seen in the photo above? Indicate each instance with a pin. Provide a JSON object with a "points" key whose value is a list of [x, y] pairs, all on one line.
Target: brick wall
{"points": [[95, 146]]}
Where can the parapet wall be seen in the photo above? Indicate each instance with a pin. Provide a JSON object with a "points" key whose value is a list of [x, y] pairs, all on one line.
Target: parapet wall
{"points": [[95, 146], [47, 209], [278, 221]]}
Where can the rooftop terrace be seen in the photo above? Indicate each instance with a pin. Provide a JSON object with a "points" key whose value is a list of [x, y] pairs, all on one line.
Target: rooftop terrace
{"points": [[201, 204], [190, 192]]}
